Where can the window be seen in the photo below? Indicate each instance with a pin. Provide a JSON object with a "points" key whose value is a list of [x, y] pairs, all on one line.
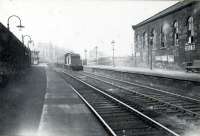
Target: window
{"points": [[190, 32], [145, 40], [137, 41], [175, 33], [153, 38], [162, 37]]}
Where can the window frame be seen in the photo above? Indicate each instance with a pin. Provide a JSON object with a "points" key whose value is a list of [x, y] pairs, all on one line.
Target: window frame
{"points": [[162, 37], [176, 33], [190, 30]]}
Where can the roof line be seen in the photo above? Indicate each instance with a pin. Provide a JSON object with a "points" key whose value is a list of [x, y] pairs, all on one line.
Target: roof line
{"points": [[175, 7]]}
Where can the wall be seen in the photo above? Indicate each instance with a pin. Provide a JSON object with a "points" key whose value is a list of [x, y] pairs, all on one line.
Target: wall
{"points": [[171, 56]]}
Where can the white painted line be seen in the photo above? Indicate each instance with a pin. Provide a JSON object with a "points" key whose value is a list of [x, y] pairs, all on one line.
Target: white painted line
{"points": [[44, 109]]}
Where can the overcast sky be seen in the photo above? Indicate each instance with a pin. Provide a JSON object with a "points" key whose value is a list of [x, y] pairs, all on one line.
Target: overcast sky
{"points": [[79, 25]]}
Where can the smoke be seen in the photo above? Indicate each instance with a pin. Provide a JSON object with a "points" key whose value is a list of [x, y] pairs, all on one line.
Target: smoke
{"points": [[191, 128], [193, 131]]}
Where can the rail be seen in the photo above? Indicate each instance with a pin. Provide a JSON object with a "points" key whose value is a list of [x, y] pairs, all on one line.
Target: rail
{"points": [[127, 106]]}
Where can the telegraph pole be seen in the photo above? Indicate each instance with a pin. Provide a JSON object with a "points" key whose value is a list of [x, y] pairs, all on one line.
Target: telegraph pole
{"points": [[96, 47], [113, 49]]}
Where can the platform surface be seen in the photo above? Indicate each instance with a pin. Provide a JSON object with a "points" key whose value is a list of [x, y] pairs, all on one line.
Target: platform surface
{"points": [[181, 75], [21, 102], [64, 113]]}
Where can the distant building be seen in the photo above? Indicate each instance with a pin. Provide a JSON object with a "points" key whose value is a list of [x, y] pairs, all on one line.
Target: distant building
{"points": [[50, 53], [169, 39], [47, 52]]}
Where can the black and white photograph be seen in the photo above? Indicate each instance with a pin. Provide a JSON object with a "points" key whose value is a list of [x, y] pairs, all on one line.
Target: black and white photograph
{"points": [[99, 68]]}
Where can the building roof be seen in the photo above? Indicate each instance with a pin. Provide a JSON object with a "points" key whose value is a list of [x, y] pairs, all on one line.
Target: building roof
{"points": [[165, 12], [5, 31], [72, 54]]}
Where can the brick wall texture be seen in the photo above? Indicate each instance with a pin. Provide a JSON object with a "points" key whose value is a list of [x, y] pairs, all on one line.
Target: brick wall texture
{"points": [[170, 56]]}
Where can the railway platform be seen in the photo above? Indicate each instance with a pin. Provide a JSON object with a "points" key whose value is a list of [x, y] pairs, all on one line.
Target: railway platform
{"points": [[180, 82], [180, 75], [64, 113], [21, 102]]}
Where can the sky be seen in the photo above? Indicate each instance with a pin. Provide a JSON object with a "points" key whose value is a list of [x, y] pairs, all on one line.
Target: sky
{"points": [[78, 25]]}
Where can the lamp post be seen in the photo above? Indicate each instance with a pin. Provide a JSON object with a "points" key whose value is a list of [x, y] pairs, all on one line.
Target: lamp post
{"points": [[20, 22], [96, 47], [132, 51], [34, 55], [23, 36], [132, 54], [33, 43], [85, 56], [30, 41], [113, 49]]}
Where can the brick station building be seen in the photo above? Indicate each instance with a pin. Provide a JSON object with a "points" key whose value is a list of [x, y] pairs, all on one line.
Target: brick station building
{"points": [[169, 39]]}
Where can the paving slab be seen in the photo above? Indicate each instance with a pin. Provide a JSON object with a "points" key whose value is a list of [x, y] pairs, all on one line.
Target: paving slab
{"points": [[64, 113]]}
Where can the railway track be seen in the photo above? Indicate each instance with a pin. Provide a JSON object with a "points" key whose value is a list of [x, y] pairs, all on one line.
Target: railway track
{"points": [[175, 117], [118, 118], [184, 103]]}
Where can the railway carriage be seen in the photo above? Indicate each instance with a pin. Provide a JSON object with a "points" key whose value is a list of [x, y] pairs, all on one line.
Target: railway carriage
{"points": [[73, 61], [14, 56]]}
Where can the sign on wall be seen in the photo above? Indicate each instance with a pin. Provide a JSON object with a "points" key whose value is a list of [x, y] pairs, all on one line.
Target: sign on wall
{"points": [[189, 47], [165, 58]]}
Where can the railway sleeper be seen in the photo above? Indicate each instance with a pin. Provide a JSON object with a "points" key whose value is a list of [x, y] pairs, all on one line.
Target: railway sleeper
{"points": [[197, 109], [100, 101], [123, 118], [103, 106], [106, 106], [129, 125], [132, 132], [190, 106], [108, 110], [113, 114]]}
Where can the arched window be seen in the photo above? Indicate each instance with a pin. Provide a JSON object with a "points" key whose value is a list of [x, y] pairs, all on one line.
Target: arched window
{"points": [[190, 31], [145, 40], [154, 39], [162, 37], [175, 33], [153, 36], [137, 41]]}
